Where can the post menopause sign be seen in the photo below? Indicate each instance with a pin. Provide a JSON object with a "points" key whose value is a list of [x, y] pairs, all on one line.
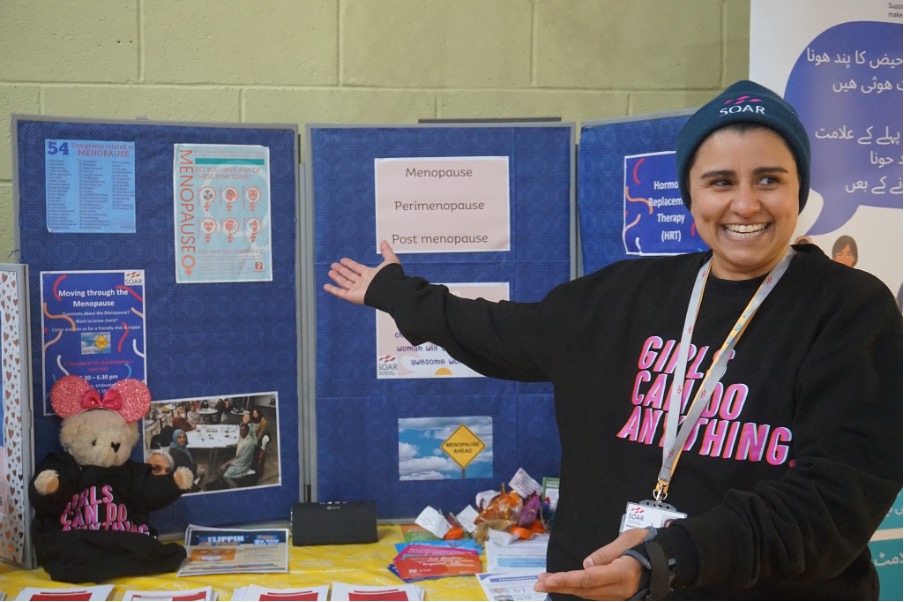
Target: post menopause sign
{"points": [[443, 204]]}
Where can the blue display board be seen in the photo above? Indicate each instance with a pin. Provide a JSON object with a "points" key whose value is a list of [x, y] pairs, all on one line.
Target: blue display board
{"points": [[363, 422], [628, 202], [202, 340]]}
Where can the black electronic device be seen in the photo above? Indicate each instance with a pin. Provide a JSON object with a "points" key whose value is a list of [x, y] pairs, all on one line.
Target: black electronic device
{"points": [[327, 523]]}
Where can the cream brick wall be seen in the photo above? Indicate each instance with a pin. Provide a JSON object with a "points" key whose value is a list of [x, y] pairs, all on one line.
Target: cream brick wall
{"points": [[359, 61]]}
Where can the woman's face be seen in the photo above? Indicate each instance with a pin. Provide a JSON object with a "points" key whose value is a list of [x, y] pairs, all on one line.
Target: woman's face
{"points": [[158, 465], [744, 200], [846, 257], [182, 439]]}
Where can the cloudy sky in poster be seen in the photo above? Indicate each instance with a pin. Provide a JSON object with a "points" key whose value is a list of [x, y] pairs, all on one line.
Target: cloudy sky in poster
{"points": [[420, 455]]}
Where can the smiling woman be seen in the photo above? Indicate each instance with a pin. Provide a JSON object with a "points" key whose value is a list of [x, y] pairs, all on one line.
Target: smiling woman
{"points": [[743, 164], [744, 199], [771, 372]]}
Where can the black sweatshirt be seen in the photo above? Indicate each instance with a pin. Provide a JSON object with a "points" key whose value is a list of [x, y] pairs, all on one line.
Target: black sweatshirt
{"points": [[95, 527], [793, 465]]}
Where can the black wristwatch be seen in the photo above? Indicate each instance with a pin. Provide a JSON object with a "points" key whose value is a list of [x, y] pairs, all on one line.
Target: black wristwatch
{"points": [[659, 570]]}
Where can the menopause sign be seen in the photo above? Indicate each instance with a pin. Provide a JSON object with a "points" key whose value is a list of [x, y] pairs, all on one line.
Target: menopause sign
{"points": [[443, 204]]}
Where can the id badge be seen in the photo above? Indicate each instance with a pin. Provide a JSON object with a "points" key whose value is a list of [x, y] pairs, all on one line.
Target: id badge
{"points": [[639, 515]]}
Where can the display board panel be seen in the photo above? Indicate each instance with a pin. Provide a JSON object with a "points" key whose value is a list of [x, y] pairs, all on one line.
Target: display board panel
{"points": [[385, 430], [628, 199], [198, 223]]}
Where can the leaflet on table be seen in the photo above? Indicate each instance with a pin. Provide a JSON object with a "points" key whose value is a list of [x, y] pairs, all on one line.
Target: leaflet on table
{"points": [[199, 593], [416, 533], [398, 358], [463, 544], [510, 586], [520, 555], [256, 592], [217, 550], [434, 566], [426, 561], [93, 326], [351, 592], [94, 592]]}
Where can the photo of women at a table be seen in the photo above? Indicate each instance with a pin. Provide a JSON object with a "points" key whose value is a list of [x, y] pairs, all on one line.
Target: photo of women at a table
{"points": [[192, 415], [240, 465], [182, 456], [180, 418], [226, 449]]}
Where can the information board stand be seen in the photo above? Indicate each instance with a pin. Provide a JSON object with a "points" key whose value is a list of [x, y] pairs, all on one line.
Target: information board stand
{"points": [[232, 333]]}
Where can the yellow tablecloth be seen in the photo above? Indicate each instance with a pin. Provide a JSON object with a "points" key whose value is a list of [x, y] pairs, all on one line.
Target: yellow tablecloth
{"points": [[359, 564]]}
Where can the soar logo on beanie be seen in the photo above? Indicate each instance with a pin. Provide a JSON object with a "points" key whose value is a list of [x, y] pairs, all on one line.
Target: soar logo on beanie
{"points": [[737, 108], [744, 102]]}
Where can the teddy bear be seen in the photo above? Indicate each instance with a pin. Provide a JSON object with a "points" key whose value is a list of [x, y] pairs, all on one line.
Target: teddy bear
{"points": [[92, 502]]}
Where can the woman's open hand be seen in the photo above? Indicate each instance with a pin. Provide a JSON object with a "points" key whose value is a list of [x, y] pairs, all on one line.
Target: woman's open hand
{"points": [[352, 278]]}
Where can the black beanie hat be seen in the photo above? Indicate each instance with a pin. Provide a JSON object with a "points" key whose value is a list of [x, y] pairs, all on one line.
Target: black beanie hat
{"points": [[744, 101]]}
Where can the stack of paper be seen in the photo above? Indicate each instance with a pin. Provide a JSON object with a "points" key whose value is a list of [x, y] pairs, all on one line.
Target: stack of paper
{"points": [[201, 593], [419, 561], [211, 550], [512, 568], [256, 592], [524, 555], [350, 592], [96, 592]]}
